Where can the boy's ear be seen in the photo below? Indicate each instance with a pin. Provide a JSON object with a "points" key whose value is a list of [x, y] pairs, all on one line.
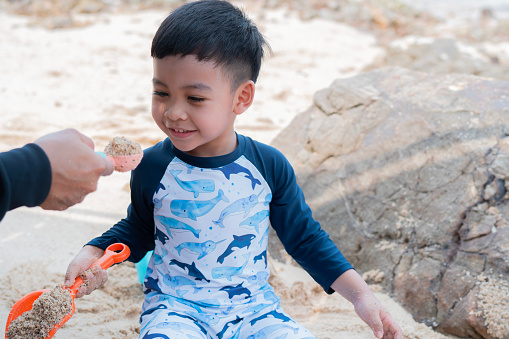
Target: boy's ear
{"points": [[244, 96]]}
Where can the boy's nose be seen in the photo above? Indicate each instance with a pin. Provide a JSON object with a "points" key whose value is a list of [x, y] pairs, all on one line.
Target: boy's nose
{"points": [[175, 113]]}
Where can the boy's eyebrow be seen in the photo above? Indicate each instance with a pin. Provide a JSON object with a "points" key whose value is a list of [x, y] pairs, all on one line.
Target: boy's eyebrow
{"points": [[156, 81], [198, 86]]}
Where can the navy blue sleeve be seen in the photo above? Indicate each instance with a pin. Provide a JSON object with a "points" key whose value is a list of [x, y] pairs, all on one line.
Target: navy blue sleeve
{"points": [[291, 218], [137, 229], [25, 178]]}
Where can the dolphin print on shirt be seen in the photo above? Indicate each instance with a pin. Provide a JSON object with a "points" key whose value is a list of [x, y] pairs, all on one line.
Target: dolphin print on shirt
{"points": [[172, 224], [195, 186], [274, 314], [235, 168], [161, 236], [195, 208], [158, 202], [202, 249], [261, 256], [151, 284], [228, 272], [228, 325], [191, 269], [160, 187], [236, 290], [177, 281], [265, 332], [238, 242], [255, 220], [243, 205]]}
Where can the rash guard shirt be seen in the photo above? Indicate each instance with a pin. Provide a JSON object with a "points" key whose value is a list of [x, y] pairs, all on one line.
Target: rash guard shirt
{"points": [[207, 220]]}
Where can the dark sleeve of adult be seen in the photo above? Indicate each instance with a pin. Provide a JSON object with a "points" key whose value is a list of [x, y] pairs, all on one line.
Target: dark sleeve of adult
{"points": [[25, 178]]}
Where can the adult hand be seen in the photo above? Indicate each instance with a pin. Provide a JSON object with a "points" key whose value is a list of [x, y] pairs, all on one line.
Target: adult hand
{"points": [[75, 168]]}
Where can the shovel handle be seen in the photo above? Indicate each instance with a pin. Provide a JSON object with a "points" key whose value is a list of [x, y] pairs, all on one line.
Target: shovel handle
{"points": [[114, 254]]}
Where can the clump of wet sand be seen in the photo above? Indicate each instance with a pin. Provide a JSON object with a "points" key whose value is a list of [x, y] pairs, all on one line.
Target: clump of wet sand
{"points": [[47, 311]]}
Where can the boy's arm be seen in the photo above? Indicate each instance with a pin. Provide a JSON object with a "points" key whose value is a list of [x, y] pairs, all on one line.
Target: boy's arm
{"points": [[353, 288], [301, 235]]}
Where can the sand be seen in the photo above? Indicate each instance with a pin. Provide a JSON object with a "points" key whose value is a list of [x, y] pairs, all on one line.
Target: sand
{"points": [[96, 77]]}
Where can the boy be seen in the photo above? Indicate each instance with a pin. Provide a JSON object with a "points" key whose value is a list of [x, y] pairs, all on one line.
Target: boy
{"points": [[203, 198]]}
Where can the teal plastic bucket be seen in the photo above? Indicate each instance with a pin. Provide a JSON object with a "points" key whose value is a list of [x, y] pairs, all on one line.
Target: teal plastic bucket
{"points": [[141, 266]]}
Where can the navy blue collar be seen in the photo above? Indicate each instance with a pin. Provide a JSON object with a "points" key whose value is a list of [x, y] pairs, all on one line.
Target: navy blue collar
{"points": [[212, 162]]}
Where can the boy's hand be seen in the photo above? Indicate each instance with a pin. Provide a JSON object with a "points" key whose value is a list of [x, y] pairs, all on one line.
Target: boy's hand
{"points": [[94, 278], [353, 288], [371, 311]]}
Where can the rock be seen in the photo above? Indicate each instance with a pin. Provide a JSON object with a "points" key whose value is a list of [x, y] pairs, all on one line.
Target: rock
{"points": [[444, 55], [408, 173]]}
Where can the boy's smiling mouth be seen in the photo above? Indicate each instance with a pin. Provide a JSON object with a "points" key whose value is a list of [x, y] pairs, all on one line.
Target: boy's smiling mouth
{"points": [[181, 133]]}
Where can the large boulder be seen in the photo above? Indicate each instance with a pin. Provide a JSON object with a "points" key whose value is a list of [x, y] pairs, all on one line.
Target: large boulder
{"points": [[408, 172]]}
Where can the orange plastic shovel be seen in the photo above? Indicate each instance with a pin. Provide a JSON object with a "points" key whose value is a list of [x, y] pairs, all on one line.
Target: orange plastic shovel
{"points": [[114, 254]]}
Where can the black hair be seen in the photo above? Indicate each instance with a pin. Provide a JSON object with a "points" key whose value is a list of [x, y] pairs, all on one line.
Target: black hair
{"points": [[213, 30]]}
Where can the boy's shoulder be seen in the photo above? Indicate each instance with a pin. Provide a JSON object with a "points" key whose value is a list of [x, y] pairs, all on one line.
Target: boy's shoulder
{"points": [[264, 155], [266, 150]]}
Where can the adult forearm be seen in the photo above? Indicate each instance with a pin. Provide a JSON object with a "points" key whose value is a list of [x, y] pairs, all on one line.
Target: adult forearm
{"points": [[25, 178]]}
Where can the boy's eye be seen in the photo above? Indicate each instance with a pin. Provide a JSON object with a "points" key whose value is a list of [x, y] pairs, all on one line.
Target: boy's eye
{"points": [[196, 99], [160, 94]]}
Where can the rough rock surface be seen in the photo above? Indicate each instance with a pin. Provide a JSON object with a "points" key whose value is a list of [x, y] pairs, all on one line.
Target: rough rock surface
{"points": [[408, 172]]}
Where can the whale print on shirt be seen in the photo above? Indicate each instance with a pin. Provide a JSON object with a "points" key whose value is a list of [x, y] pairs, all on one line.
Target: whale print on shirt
{"points": [[195, 186], [227, 271], [259, 278], [195, 208], [158, 202], [202, 249], [238, 242], [255, 220], [235, 168], [172, 224], [177, 281], [158, 259], [243, 205]]}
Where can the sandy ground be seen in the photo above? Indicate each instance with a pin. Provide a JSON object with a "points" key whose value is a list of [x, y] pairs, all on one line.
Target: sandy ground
{"points": [[97, 78]]}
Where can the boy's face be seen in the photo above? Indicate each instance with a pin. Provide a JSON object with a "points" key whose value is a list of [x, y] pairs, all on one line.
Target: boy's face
{"points": [[192, 103]]}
